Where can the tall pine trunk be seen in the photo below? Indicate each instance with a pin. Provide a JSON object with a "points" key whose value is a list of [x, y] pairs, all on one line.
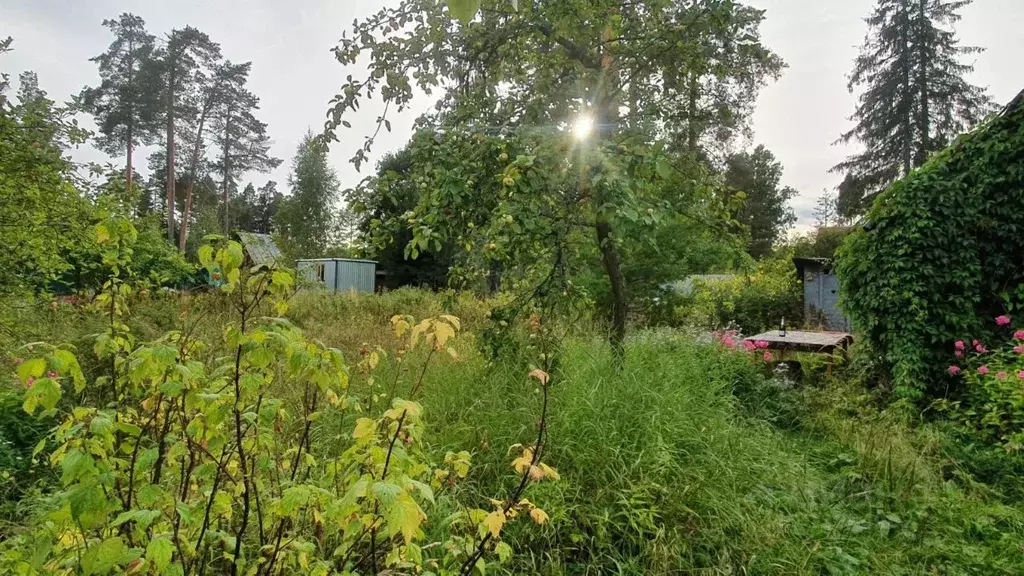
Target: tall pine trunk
{"points": [[227, 170], [192, 171], [170, 155]]}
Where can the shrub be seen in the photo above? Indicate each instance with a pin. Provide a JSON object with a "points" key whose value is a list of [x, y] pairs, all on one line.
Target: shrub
{"points": [[753, 302], [994, 387], [182, 457], [943, 254]]}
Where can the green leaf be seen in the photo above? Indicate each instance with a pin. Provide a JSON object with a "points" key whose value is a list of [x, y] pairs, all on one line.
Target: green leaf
{"points": [[33, 368], [464, 10], [159, 553], [205, 254], [103, 557], [404, 517], [294, 498], [44, 392], [504, 552]]}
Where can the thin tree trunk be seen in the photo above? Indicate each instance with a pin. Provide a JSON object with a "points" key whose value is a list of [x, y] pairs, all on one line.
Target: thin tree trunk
{"points": [[128, 168], [193, 169], [907, 103], [227, 171], [131, 118], [924, 146], [691, 121], [170, 154], [608, 117]]}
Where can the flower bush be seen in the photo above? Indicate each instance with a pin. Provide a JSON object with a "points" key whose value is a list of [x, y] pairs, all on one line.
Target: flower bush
{"points": [[994, 386]]}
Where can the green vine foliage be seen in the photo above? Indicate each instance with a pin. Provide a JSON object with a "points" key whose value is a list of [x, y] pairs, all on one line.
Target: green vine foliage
{"points": [[942, 256], [193, 457]]}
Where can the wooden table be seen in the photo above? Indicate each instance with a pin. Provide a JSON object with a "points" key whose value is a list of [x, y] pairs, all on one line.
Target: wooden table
{"points": [[806, 341]]}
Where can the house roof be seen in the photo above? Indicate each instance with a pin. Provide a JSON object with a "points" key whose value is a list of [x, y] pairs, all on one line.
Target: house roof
{"points": [[260, 248]]}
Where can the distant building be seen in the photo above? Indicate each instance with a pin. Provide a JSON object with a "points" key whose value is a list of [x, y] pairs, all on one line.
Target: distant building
{"points": [[339, 274], [821, 294], [260, 249]]}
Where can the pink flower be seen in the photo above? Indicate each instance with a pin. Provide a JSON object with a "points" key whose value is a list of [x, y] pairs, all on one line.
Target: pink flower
{"points": [[954, 370], [29, 382], [767, 356], [959, 344], [958, 354], [51, 374], [1018, 335], [749, 345], [980, 348], [974, 342], [1020, 374], [1001, 375], [1002, 320], [1018, 349], [728, 341], [761, 344], [983, 370], [18, 361]]}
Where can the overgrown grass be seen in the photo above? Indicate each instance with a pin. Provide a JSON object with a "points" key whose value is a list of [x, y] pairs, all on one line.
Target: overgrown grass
{"points": [[686, 460], [689, 461]]}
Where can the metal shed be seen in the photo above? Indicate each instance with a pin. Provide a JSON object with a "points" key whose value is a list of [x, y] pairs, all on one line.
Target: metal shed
{"points": [[340, 274], [821, 294]]}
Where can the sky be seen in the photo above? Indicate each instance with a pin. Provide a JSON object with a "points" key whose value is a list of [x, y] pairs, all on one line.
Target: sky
{"points": [[295, 75]]}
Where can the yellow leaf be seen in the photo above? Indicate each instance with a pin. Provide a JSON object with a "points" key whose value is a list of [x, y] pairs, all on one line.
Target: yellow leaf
{"points": [[452, 320], [549, 472], [540, 375], [539, 516], [400, 324], [494, 521], [417, 332], [442, 332], [365, 427]]}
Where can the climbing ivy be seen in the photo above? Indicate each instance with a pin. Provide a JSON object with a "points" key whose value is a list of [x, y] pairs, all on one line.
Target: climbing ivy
{"points": [[940, 254]]}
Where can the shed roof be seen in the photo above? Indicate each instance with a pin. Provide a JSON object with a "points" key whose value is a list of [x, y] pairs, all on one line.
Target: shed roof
{"points": [[336, 260], [685, 286], [260, 248]]}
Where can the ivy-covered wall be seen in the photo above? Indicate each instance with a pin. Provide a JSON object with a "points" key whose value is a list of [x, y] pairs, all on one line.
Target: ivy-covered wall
{"points": [[942, 255]]}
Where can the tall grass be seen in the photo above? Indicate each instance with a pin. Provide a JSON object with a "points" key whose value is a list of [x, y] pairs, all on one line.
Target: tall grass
{"points": [[666, 469], [685, 460]]}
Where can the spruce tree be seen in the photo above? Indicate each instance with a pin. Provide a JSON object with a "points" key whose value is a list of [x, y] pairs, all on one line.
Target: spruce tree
{"points": [[914, 98]]}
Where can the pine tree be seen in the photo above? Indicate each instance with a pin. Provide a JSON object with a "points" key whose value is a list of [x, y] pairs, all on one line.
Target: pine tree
{"points": [[268, 201], [181, 62], [125, 103], [915, 98], [306, 219], [242, 139]]}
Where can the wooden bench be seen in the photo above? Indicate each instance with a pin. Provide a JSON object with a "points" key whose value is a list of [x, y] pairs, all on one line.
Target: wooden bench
{"points": [[806, 341]]}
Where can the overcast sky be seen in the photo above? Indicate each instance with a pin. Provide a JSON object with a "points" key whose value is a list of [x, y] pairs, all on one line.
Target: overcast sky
{"points": [[294, 73]]}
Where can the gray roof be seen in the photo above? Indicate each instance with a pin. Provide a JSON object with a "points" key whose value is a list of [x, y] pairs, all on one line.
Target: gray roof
{"points": [[685, 286], [260, 248]]}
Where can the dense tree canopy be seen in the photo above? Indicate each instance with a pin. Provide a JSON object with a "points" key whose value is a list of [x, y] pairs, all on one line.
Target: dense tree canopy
{"points": [[765, 210], [523, 74]]}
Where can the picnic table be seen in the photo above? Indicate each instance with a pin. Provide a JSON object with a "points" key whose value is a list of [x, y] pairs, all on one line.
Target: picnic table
{"points": [[806, 341]]}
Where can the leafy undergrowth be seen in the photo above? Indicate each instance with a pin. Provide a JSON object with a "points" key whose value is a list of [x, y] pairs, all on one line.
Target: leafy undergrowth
{"points": [[687, 460]]}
